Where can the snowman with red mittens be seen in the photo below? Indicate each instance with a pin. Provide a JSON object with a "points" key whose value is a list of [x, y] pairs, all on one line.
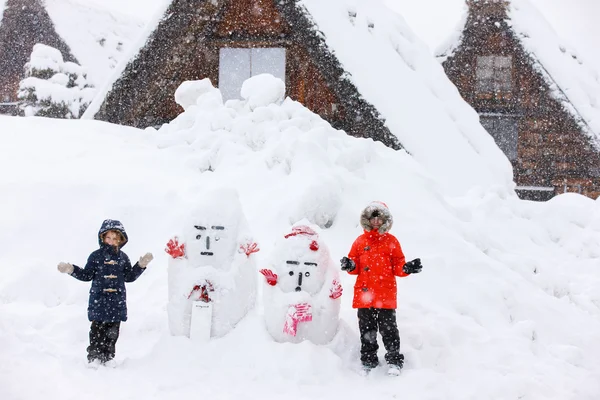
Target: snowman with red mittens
{"points": [[302, 289], [212, 271]]}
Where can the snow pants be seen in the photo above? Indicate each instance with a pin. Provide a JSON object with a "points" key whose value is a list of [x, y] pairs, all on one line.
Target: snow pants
{"points": [[103, 338], [371, 320]]}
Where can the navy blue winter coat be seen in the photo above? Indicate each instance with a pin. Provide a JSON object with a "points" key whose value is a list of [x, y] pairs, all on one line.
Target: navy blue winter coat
{"points": [[108, 269]]}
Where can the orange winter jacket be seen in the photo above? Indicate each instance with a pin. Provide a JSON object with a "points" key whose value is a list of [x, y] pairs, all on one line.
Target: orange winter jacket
{"points": [[379, 260]]}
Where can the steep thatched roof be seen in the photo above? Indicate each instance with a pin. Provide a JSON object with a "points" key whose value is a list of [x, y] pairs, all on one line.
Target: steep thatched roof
{"points": [[571, 80], [179, 49]]}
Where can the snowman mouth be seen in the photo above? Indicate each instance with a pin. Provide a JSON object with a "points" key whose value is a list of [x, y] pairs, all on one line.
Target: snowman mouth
{"points": [[206, 253], [298, 289]]}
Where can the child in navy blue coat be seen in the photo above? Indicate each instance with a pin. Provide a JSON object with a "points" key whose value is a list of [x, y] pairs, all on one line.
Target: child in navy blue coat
{"points": [[108, 268]]}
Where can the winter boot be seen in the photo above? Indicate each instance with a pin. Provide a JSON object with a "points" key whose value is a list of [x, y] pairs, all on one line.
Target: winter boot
{"points": [[394, 370]]}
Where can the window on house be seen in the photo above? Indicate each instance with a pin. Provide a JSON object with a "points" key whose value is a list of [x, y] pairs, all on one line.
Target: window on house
{"points": [[493, 74], [505, 132], [238, 64]]}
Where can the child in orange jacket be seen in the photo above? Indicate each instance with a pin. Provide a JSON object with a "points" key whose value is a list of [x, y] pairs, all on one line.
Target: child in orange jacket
{"points": [[377, 259]]}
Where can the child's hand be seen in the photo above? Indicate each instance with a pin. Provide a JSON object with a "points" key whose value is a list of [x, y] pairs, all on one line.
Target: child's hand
{"points": [[145, 260], [347, 264], [65, 268], [413, 267]]}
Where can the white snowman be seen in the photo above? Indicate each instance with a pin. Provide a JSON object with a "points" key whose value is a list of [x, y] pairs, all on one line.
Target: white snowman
{"points": [[302, 289], [212, 270]]}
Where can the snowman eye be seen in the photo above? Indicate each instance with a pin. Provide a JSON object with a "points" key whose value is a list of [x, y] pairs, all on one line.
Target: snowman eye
{"points": [[217, 238], [198, 237], [291, 273], [307, 274]]}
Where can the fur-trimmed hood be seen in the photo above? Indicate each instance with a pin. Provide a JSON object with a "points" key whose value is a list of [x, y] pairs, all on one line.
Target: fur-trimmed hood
{"points": [[381, 210]]}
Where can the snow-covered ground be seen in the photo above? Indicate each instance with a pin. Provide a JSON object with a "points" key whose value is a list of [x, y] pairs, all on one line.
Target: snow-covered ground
{"points": [[507, 305]]}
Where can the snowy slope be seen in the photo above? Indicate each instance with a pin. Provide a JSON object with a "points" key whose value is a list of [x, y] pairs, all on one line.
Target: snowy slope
{"points": [[507, 306], [98, 38], [394, 71]]}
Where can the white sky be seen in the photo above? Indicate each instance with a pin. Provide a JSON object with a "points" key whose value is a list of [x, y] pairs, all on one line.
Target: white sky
{"points": [[507, 305]]}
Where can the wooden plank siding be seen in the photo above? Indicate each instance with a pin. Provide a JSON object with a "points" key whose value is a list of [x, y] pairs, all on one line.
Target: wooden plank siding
{"points": [[186, 45], [552, 149]]}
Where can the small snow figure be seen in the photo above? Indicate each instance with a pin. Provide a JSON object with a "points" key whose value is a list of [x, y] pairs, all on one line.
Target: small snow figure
{"points": [[109, 269], [302, 290], [377, 259], [212, 262]]}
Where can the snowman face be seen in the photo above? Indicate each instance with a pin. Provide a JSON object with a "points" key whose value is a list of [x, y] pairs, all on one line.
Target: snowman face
{"points": [[300, 269], [211, 244]]}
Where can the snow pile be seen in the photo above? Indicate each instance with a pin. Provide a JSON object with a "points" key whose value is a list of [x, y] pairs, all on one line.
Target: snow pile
{"points": [[507, 305], [52, 87], [312, 152]]}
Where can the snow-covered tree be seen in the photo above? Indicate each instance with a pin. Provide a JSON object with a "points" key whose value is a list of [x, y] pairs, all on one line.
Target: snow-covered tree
{"points": [[52, 87]]}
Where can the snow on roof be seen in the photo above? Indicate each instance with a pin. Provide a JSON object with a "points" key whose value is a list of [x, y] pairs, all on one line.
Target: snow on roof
{"points": [[394, 71], [136, 45], [573, 80], [98, 38]]}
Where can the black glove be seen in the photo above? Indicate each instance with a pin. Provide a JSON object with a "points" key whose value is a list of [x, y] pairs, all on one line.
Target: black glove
{"points": [[347, 264], [413, 267]]}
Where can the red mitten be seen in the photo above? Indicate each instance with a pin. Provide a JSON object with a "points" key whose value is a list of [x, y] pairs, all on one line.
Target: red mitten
{"points": [[174, 249], [250, 248], [270, 276], [336, 290]]}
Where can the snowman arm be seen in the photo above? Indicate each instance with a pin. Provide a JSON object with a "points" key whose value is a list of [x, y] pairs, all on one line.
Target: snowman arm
{"points": [[335, 289], [269, 276], [175, 249], [249, 247]]}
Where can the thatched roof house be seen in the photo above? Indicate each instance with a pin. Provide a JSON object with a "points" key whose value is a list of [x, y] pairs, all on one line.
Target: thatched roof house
{"points": [[537, 97]]}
